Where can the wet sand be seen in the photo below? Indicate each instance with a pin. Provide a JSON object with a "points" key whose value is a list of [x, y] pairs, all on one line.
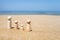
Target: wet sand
{"points": [[44, 27]]}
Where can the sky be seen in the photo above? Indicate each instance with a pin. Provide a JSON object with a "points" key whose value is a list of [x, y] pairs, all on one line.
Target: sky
{"points": [[29, 5]]}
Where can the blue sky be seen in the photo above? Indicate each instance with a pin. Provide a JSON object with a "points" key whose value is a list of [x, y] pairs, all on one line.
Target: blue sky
{"points": [[29, 5]]}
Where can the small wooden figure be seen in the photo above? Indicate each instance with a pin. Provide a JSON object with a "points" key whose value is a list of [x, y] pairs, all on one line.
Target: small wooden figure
{"points": [[22, 28], [16, 24], [28, 28]]}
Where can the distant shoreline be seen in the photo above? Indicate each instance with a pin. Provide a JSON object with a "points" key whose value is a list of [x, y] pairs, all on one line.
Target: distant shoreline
{"points": [[29, 12]]}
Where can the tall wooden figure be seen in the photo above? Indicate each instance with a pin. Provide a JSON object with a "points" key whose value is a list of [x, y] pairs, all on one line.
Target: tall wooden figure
{"points": [[9, 22], [28, 28]]}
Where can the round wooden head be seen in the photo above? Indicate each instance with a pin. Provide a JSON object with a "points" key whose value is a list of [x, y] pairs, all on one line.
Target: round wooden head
{"points": [[21, 25], [9, 17], [16, 21], [28, 21]]}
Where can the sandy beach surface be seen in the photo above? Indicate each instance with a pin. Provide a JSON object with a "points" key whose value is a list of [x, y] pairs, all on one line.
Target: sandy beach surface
{"points": [[44, 27]]}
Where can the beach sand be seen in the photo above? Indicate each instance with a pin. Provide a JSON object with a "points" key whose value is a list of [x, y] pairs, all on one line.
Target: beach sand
{"points": [[44, 27]]}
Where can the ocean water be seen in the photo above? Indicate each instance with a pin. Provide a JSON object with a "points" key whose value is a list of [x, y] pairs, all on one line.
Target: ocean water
{"points": [[29, 12]]}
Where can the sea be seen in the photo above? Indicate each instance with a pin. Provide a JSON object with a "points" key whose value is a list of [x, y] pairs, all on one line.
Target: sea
{"points": [[29, 12]]}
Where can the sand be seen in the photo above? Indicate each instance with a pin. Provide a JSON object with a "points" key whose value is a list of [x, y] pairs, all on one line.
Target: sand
{"points": [[44, 27]]}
